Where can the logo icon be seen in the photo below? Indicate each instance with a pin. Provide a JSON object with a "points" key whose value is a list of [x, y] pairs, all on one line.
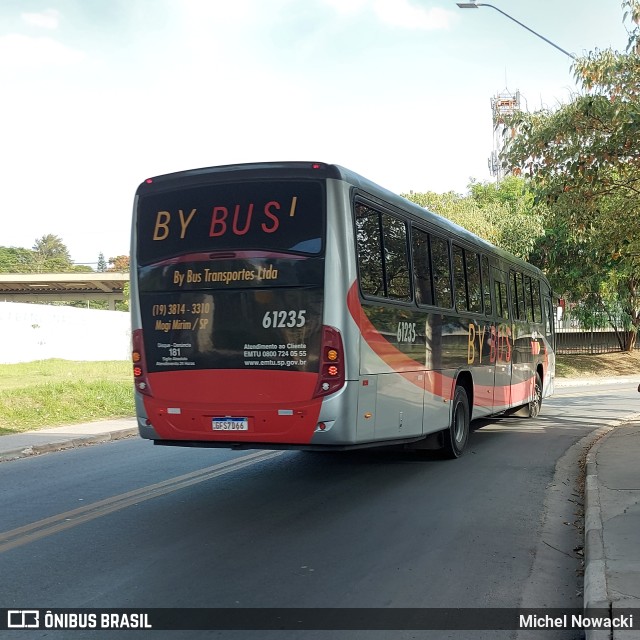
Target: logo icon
{"points": [[23, 619]]}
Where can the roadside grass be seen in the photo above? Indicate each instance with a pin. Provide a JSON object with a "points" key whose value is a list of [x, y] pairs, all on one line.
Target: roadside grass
{"points": [[48, 393]]}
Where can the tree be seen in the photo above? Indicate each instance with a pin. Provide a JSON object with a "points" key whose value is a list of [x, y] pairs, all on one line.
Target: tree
{"points": [[502, 213], [20, 260], [119, 263], [124, 305], [583, 162], [51, 254], [102, 263], [511, 205], [17, 260], [462, 210]]}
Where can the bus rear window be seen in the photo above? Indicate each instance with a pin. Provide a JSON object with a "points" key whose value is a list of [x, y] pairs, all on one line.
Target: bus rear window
{"points": [[278, 216]]}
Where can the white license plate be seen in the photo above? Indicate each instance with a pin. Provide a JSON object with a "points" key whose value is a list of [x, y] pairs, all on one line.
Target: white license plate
{"points": [[230, 424]]}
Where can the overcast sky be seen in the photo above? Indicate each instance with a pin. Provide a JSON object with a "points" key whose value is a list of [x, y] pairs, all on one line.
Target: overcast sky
{"points": [[98, 95]]}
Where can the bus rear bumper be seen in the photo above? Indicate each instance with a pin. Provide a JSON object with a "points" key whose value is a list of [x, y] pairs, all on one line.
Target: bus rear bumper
{"points": [[320, 423]]}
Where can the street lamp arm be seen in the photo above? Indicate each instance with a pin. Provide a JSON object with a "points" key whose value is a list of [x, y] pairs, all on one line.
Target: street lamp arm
{"points": [[467, 5]]}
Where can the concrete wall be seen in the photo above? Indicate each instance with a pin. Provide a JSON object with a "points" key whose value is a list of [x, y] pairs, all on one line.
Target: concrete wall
{"points": [[39, 332]]}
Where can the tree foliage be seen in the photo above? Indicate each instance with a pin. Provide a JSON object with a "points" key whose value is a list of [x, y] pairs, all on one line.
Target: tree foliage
{"points": [[48, 255], [459, 209], [503, 213], [119, 263], [17, 260], [518, 218], [583, 163], [51, 254], [102, 263]]}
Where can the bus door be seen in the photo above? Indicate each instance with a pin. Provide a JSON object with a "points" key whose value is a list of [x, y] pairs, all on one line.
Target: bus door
{"points": [[502, 348]]}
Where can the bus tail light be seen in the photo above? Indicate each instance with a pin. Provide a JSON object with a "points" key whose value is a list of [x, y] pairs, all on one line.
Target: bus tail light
{"points": [[331, 375], [140, 378]]}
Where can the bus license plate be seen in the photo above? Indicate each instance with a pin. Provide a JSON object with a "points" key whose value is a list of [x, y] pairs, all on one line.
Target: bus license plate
{"points": [[230, 424]]}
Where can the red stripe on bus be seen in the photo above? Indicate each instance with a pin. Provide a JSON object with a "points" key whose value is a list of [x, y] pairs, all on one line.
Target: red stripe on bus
{"points": [[514, 395], [390, 354], [436, 383]]}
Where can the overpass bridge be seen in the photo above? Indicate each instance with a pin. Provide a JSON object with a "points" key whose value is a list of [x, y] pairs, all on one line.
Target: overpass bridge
{"points": [[59, 287]]}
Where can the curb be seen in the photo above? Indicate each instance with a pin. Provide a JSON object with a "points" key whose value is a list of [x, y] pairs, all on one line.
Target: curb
{"points": [[560, 383], [595, 594], [595, 581], [73, 443]]}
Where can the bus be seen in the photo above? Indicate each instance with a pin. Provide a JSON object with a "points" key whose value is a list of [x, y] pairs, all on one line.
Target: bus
{"points": [[298, 305]]}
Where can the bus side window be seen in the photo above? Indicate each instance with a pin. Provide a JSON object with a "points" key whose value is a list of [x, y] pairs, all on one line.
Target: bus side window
{"points": [[513, 288], [422, 267], [459, 279], [473, 281], [502, 302], [369, 245], [486, 286], [466, 275], [383, 261], [529, 298], [396, 260], [537, 309], [517, 297], [548, 319], [441, 273], [522, 311]]}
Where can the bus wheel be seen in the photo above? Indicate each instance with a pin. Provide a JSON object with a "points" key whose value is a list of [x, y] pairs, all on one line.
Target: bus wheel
{"points": [[536, 404], [456, 436]]}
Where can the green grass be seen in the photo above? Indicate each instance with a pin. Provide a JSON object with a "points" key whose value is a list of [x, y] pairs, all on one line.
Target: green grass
{"points": [[49, 393]]}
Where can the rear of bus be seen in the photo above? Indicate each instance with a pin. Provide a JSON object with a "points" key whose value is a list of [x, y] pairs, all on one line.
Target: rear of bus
{"points": [[227, 299]]}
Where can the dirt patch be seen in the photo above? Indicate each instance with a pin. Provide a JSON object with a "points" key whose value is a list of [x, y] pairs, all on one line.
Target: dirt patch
{"points": [[599, 365]]}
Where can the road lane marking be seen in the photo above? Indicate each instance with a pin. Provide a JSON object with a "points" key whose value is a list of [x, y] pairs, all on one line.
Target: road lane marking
{"points": [[53, 524]]}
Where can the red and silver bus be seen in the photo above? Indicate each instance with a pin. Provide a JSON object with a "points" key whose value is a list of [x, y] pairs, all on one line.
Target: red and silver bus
{"points": [[299, 305]]}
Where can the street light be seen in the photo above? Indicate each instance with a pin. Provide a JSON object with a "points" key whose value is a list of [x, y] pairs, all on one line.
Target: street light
{"points": [[475, 5]]}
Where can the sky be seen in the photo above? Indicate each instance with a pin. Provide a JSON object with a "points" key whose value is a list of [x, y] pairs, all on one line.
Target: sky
{"points": [[98, 95]]}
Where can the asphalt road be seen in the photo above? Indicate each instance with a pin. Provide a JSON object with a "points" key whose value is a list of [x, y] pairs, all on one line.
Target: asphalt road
{"points": [[127, 524]]}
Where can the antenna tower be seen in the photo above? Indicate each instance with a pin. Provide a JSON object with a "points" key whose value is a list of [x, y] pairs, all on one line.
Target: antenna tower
{"points": [[503, 104]]}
